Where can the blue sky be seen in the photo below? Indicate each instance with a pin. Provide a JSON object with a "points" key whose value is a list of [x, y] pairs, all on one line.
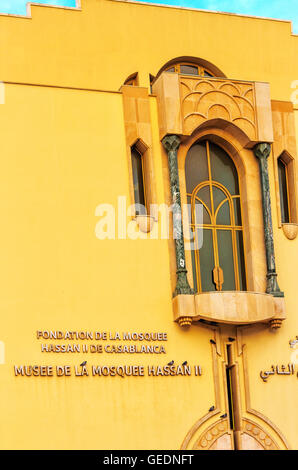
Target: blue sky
{"points": [[283, 9]]}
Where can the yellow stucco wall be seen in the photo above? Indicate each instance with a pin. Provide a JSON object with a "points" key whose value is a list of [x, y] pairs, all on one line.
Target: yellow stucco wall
{"points": [[92, 48], [63, 153]]}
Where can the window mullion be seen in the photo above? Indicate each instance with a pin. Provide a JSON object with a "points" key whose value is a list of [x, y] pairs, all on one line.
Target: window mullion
{"points": [[288, 192], [235, 259], [197, 258]]}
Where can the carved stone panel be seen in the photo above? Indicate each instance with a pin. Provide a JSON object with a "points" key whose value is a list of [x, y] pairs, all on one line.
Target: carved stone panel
{"points": [[186, 102], [205, 99], [219, 437], [256, 438]]}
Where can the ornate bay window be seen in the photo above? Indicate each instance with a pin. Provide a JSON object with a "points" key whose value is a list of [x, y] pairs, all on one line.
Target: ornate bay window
{"points": [[223, 134]]}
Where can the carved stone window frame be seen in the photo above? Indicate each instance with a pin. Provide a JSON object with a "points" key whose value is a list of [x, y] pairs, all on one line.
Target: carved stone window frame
{"points": [[284, 146], [138, 133]]}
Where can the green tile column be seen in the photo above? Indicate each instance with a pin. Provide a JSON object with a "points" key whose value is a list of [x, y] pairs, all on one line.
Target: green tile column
{"points": [[262, 152], [171, 144]]}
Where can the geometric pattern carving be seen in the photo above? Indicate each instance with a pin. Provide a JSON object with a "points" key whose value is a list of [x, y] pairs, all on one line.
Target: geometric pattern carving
{"points": [[218, 436], [259, 434], [211, 435], [203, 99]]}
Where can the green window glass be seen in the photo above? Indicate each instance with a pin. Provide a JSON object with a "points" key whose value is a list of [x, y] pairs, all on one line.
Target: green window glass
{"points": [[212, 180], [138, 181], [283, 191], [189, 69]]}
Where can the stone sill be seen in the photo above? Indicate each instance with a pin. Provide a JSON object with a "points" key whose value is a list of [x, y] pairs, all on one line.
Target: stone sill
{"points": [[232, 308]]}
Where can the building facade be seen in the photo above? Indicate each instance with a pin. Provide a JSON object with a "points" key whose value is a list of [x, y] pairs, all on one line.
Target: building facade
{"points": [[149, 236]]}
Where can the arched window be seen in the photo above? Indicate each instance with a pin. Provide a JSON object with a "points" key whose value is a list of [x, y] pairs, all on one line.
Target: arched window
{"points": [[283, 179], [286, 172], [190, 68], [283, 190], [212, 180], [132, 80], [189, 65], [138, 181]]}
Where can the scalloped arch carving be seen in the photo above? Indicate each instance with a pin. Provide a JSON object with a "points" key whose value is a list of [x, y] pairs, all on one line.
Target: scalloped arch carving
{"points": [[255, 435], [205, 99], [218, 436]]}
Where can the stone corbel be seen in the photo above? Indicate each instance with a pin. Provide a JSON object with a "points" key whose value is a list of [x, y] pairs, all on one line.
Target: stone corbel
{"points": [[145, 222], [290, 230]]}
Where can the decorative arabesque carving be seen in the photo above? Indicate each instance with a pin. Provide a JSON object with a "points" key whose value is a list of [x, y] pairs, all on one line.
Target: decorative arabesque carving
{"points": [[252, 436]]}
